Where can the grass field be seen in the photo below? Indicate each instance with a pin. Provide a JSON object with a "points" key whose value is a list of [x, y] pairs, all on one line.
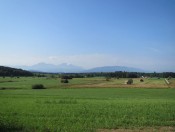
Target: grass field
{"points": [[75, 107], [100, 82]]}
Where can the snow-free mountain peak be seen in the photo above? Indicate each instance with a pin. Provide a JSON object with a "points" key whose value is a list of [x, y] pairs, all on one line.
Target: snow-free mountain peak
{"points": [[44, 67], [69, 68]]}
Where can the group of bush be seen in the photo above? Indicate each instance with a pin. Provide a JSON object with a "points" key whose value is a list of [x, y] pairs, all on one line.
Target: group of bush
{"points": [[38, 86], [41, 86], [65, 80], [130, 81]]}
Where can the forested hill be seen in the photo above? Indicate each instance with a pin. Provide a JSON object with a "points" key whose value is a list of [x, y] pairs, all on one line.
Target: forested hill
{"points": [[8, 71]]}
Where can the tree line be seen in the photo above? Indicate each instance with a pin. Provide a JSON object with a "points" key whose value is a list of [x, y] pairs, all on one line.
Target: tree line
{"points": [[119, 74], [12, 72]]}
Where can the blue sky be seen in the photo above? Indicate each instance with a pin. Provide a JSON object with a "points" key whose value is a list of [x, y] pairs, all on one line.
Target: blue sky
{"points": [[89, 33]]}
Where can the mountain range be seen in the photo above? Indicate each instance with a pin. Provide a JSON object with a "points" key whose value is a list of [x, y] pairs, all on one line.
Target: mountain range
{"points": [[69, 68], [51, 68], [114, 68]]}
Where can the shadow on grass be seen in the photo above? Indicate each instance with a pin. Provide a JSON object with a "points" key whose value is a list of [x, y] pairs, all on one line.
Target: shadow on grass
{"points": [[5, 88], [12, 127]]}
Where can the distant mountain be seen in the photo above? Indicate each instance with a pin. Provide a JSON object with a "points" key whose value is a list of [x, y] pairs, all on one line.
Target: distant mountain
{"points": [[43, 67], [69, 68], [114, 68]]}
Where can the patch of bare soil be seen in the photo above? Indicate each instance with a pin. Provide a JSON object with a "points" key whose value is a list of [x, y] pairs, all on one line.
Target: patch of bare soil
{"points": [[146, 129], [115, 86]]}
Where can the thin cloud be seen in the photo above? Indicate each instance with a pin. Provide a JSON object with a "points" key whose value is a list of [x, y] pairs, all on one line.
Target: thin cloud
{"points": [[154, 50], [52, 57], [87, 61]]}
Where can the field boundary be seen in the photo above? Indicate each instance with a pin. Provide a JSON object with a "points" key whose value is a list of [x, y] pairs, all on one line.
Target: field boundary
{"points": [[144, 129]]}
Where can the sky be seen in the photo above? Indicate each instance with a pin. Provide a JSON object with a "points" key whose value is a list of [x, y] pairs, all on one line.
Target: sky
{"points": [[89, 33]]}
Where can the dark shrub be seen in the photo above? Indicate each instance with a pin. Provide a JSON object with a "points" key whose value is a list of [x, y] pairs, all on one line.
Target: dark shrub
{"points": [[141, 80], [2, 88], [64, 81], [38, 86], [108, 78], [130, 81]]}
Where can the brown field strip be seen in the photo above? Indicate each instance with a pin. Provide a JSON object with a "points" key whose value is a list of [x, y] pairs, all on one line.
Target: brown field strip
{"points": [[120, 83], [146, 129]]}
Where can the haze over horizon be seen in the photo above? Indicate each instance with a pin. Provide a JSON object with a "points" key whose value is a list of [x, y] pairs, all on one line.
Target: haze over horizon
{"points": [[89, 33]]}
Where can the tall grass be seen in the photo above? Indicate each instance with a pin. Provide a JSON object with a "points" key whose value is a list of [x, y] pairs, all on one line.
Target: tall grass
{"points": [[86, 110]]}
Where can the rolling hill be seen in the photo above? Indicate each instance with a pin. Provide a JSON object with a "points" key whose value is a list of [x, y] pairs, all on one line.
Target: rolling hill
{"points": [[8, 71]]}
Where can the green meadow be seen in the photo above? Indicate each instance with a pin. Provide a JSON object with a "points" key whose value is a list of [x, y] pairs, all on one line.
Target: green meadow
{"points": [[75, 107]]}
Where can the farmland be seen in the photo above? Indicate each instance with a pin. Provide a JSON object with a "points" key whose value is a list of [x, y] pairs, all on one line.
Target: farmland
{"points": [[95, 82], [86, 104]]}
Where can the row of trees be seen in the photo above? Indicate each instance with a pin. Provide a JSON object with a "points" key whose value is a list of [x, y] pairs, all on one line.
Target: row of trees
{"points": [[139, 74], [118, 74]]}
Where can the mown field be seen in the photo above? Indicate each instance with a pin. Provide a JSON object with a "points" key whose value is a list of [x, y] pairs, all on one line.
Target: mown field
{"points": [[86, 105], [96, 82]]}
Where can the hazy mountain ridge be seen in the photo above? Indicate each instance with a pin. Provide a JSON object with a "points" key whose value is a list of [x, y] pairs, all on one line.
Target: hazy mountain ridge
{"points": [[43, 67], [69, 68], [114, 68]]}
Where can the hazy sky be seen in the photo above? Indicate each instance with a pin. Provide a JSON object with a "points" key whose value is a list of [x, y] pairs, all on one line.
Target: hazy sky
{"points": [[89, 33]]}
